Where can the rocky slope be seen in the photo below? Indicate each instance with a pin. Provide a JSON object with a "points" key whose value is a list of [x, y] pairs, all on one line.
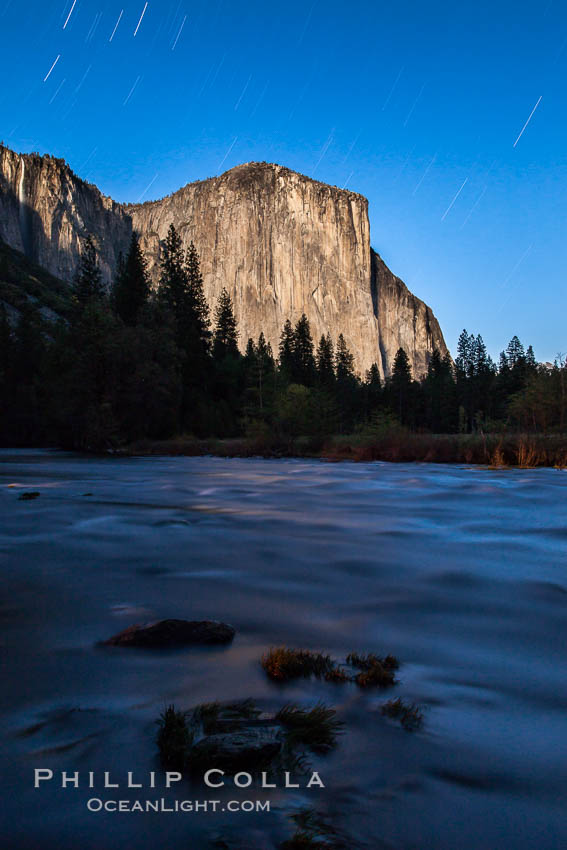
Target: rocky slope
{"points": [[22, 282], [281, 243]]}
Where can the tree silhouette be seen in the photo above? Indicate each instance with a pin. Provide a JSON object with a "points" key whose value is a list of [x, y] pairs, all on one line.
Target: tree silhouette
{"points": [[132, 285], [303, 371], [325, 359], [88, 279], [225, 336]]}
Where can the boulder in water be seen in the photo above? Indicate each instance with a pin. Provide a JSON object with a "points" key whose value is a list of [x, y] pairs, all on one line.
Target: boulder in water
{"points": [[172, 633], [251, 746]]}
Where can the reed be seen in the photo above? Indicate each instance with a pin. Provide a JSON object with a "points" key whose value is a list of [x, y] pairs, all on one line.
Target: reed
{"points": [[493, 450]]}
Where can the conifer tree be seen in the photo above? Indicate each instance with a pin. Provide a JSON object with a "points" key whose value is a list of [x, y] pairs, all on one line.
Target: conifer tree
{"points": [[303, 371], [197, 301], [463, 361], [181, 290], [439, 394], [88, 284], [262, 372], [132, 285], [173, 284], [225, 336], [325, 360], [515, 354], [346, 385], [480, 362], [264, 353], [344, 360], [286, 358], [372, 390], [372, 377], [400, 385]]}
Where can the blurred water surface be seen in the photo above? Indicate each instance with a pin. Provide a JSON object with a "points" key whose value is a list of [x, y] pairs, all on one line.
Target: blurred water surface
{"points": [[460, 572]]}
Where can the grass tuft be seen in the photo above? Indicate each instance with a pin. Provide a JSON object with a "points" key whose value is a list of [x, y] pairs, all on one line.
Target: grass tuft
{"points": [[337, 674], [366, 662], [409, 714], [207, 714], [316, 728], [377, 676], [174, 739], [314, 832], [282, 664], [374, 671]]}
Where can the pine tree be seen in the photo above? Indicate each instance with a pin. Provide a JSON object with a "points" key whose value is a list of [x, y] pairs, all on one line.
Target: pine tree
{"points": [[372, 390], [401, 372], [400, 385], [439, 394], [531, 362], [344, 361], [264, 353], [173, 287], [198, 303], [285, 353], [346, 385], [132, 285], [464, 357], [303, 371], [181, 290], [515, 354], [372, 377], [250, 353], [225, 336], [264, 368], [325, 359], [479, 356], [88, 284]]}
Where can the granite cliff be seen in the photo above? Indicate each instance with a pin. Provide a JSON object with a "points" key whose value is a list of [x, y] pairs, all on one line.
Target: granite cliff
{"points": [[281, 243], [46, 211]]}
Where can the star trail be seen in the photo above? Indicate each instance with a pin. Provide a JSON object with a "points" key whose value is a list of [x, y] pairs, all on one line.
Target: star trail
{"points": [[416, 108]]}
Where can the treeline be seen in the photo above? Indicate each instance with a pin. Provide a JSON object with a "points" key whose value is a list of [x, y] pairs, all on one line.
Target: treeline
{"points": [[136, 363]]}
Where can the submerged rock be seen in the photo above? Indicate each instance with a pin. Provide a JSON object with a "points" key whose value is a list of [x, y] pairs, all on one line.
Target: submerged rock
{"points": [[252, 746], [238, 736], [27, 497], [171, 633]]}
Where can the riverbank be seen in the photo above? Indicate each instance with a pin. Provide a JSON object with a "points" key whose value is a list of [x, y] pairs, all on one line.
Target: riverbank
{"points": [[498, 450]]}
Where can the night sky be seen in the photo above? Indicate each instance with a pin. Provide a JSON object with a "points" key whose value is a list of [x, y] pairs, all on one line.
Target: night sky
{"points": [[422, 107]]}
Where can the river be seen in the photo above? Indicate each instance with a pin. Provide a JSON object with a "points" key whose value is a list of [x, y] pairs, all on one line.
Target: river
{"points": [[460, 572]]}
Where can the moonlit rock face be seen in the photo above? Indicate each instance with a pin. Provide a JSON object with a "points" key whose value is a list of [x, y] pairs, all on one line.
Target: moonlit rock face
{"points": [[281, 243], [49, 216]]}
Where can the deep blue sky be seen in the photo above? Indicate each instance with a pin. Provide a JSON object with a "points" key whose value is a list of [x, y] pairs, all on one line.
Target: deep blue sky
{"points": [[402, 102]]}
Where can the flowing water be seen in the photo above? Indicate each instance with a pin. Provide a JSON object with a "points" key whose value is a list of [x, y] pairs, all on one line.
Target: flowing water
{"points": [[460, 572]]}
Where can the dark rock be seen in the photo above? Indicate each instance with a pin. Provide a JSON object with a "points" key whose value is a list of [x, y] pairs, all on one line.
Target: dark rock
{"points": [[27, 497], [247, 748], [171, 633]]}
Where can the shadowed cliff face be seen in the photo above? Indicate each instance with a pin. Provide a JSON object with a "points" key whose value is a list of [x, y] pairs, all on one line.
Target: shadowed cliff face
{"points": [[281, 243], [404, 321], [46, 211]]}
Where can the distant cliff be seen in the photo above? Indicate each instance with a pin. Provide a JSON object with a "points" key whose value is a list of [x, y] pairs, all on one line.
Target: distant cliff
{"points": [[281, 243], [46, 210]]}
